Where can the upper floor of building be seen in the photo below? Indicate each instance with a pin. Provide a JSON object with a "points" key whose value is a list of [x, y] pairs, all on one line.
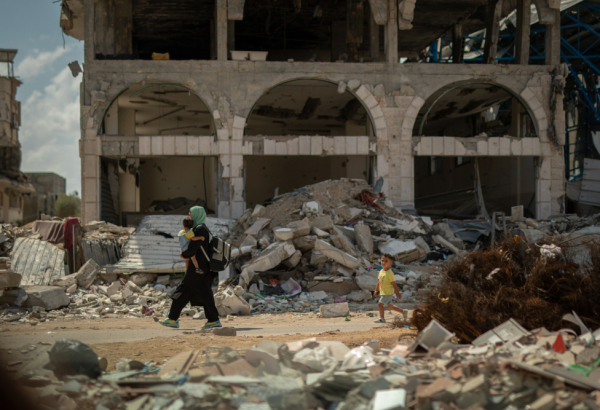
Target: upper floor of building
{"points": [[10, 108]]}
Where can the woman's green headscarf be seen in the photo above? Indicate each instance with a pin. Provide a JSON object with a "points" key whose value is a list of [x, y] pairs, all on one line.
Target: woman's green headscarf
{"points": [[198, 215]]}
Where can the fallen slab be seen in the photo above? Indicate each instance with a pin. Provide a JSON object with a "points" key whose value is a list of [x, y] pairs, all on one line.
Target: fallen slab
{"points": [[48, 297], [336, 254]]}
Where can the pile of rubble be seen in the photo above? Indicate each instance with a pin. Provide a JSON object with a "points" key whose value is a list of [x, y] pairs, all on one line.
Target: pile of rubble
{"points": [[509, 367]]}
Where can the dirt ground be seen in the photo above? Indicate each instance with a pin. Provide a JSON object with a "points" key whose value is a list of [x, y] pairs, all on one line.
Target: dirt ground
{"points": [[143, 339]]}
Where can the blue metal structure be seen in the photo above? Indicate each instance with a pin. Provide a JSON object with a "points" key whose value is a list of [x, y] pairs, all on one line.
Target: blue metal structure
{"points": [[580, 50]]}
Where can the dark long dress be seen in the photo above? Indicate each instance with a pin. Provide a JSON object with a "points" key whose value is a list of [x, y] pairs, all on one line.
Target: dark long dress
{"points": [[196, 288]]}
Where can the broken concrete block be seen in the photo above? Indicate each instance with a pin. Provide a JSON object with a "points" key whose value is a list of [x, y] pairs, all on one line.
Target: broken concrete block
{"points": [[13, 296], [111, 277], [399, 248], [531, 223], [142, 279], [517, 213], [317, 258], [422, 246], [300, 228], [66, 281], [284, 234], [324, 223], [364, 240], [311, 207], [163, 280], [133, 287], [87, 274], [293, 260], [117, 298], [223, 331], [305, 243], [342, 242], [334, 310], [258, 211], [48, 297], [341, 87], [113, 288], [320, 233], [367, 282], [9, 280], [341, 269], [228, 303], [446, 244], [336, 254], [271, 257], [360, 296], [126, 293], [72, 289], [249, 241]]}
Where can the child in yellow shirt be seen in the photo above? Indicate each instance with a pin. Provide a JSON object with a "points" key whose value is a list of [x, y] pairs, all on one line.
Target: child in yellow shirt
{"points": [[386, 287]]}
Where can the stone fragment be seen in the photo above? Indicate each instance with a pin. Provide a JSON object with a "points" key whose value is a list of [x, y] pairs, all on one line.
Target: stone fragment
{"points": [[142, 279], [133, 287], [9, 280], [364, 240], [48, 297], [341, 87], [113, 288], [108, 277], [271, 257], [116, 298], [223, 331], [317, 258], [228, 303], [163, 280], [249, 241], [300, 228], [304, 243], [517, 213], [87, 274], [320, 233], [343, 242], [336, 254], [72, 289], [284, 234], [334, 310], [293, 260], [66, 281], [367, 282], [531, 223], [354, 84], [258, 211], [324, 223], [360, 296]]}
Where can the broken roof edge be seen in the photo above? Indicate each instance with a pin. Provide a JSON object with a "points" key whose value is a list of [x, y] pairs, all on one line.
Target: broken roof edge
{"points": [[21, 187], [71, 20]]}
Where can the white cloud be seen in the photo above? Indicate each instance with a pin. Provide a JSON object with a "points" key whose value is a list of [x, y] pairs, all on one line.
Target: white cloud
{"points": [[50, 131], [37, 62]]}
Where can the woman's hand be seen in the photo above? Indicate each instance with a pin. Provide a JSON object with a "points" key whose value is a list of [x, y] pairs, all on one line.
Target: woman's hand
{"points": [[181, 255]]}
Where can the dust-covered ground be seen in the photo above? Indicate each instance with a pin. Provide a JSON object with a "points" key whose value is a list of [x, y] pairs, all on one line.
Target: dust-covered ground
{"points": [[143, 339]]}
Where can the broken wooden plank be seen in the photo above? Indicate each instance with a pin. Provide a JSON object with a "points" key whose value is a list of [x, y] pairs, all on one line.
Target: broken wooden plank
{"points": [[180, 364]]}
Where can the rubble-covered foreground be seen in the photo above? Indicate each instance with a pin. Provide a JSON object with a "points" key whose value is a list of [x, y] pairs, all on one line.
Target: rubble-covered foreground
{"points": [[507, 368]]}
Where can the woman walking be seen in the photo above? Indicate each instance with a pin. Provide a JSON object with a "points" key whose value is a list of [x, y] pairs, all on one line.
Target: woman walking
{"points": [[196, 287]]}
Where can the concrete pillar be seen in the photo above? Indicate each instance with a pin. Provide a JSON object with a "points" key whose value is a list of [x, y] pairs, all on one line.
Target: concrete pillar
{"points": [[374, 37], [391, 44], [221, 29], [230, 35], [458, 45], [88, 35], [553, 40], [492, 32], [523, 32]]}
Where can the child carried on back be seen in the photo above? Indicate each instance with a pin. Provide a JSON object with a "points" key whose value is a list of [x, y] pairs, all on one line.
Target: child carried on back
{"points": [[186, 236]]}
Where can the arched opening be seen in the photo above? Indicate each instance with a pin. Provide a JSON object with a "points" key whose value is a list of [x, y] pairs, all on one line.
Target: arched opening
{"points": [[308, 107], [306, 113], [473, 110], [445, 184], [157, 109], [167, 181]]}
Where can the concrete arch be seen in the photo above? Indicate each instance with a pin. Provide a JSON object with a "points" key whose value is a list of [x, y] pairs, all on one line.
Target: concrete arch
{"points": [[526, 97], [101, 110], [362, 94]]}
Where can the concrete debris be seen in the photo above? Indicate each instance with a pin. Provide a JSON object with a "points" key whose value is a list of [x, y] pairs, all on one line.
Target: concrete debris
{"points": [[48, 297], [533, 369], [334, 310]]}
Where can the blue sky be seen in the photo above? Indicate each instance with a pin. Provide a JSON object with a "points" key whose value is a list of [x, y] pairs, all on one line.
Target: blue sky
{"points": [[49, 95]]}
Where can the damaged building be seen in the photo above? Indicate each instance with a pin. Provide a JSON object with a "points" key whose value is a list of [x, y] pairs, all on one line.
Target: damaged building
{"points": [[13, 183], [231, 102]]}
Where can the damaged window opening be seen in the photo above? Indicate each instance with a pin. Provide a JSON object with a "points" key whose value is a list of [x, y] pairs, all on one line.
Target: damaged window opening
{"points": [[474, 110], [308, 107], [158, 109], [132, 188], [310, 30], [505, 182]]}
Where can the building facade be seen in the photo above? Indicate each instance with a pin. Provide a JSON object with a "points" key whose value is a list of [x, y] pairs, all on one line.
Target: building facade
{"points": [[48, 186], [343, 92], [13, 183]]}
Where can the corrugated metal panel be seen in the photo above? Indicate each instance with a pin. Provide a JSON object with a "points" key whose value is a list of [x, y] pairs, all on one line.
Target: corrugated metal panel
{"points": [[102, 251], [590, 185], [38, 262], [149, 252]]}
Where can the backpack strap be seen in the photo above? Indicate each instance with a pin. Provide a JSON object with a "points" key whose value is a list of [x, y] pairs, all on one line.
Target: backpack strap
{"points": [[209, 241]]}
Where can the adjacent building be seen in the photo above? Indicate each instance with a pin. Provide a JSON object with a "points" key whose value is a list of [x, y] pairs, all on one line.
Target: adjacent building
{"points": [[48, 186], [233, 101], [13, 183]]}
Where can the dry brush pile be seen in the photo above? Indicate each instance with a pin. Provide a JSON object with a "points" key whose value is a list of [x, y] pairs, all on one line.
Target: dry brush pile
{"points": [[536, 284]]}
